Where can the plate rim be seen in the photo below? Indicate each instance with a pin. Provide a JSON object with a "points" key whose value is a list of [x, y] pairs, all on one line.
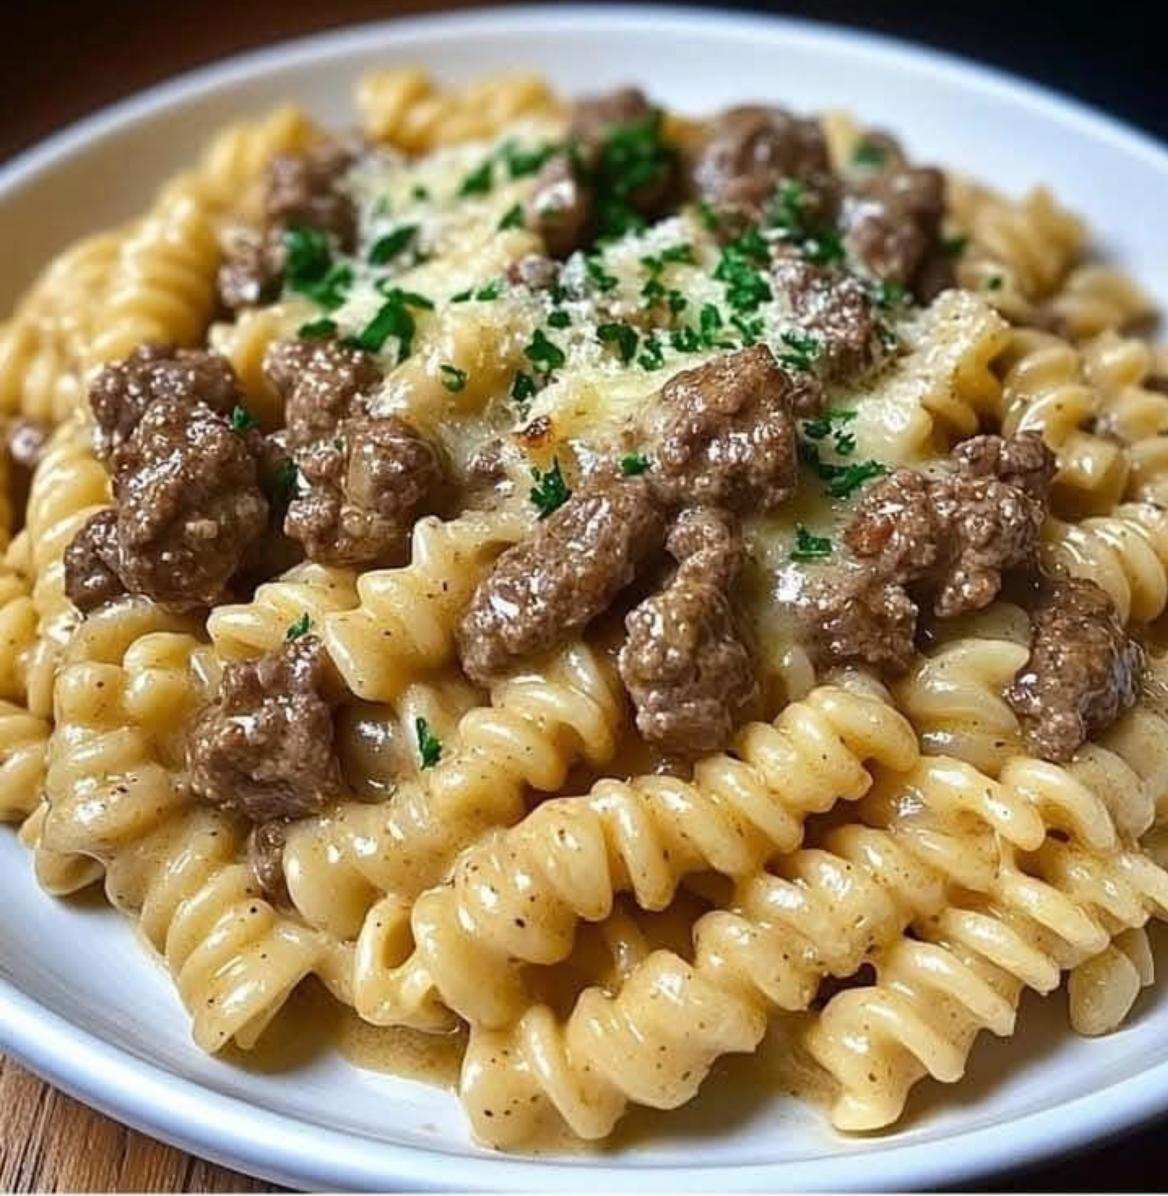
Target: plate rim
{"points": [[237, 1133]]}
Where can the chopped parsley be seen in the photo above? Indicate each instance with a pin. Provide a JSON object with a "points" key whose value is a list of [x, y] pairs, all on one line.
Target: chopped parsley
{"points": [[633, 159], [994, 283], [685, 339], [521, 162], [393, 318], [453, 378], [708, 216], [298, 628], [523, 388], [890, 294], [739, 268], [311, 271], [710, 324], [824, 247], [284, 477], [420, 193], [633, 464], [802, 351], [597, 275], [809, 547], [550, 491], [559, 319], [388, 247], [485, 293], [954, 246], [748, 327], [651, 358], [868, 153], [842, 480], [479, 181], [242, 419], [821, 426], [512, 218], [429, 745], [316, 330], [544, 354], [623, 336]]}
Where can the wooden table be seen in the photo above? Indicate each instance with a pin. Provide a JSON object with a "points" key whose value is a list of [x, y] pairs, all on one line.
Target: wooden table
{"points": [[75, 57]]}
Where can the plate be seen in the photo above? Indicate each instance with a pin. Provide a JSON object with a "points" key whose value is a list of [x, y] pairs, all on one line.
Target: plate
{"points": [[81, 1002]]}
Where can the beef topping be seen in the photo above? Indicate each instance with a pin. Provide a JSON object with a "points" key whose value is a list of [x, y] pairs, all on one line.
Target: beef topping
{"points": [[750, 150], [361, 491], [1023, 461], [725, 434], [265, 861], [1082, 672], [852, 617], [91, 563], [559, 208], [953, 534], [300, 189], [265, 747], [684, 663], [837, 310], [547, 588], [120, 394], [321, 383], [893, 220], [189, 505]]}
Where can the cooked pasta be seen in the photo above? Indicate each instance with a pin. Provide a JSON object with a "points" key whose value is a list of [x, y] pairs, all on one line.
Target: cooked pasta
{"points": [[580, 581]]}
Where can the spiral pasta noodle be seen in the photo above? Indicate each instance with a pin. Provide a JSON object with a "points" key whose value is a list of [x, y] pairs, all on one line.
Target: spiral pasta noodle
{"points": [[406, 109], [23, 744], [115, 794], [538, 724], [1047, 910], [819, 912], [517, 896], [404, 622], [1094, 299]]}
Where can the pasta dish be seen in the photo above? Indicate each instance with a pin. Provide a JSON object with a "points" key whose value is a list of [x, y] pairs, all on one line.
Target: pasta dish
{"points": [[587, 586]]}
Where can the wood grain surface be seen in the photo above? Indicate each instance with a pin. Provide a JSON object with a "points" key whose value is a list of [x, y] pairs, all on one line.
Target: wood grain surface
{"points": [[77, 55]]}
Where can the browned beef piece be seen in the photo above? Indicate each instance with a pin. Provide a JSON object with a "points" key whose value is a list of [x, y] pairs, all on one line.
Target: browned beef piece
{"points": [[302, 189], [951, 534], [724, 433], [594, 116], [120, 394], [265, 860], [25, 440], [91, 563], [1083, 671], [361, 491], [547, 588], [1023, 461], [321, 383], [893, 220], [535, 271], [684, 663], [252, 269], [265, 746], [189, 503], [836, 309], [750, 150], [854, 618], [560, 207]]}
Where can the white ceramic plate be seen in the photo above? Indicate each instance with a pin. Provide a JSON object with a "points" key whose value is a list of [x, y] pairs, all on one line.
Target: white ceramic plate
{"points": [[83, 1005]]}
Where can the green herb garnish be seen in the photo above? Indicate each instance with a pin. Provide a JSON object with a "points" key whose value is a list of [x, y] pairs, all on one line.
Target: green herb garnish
{"points": [[284, 476], [559, 319], [453, 378], [521, 162], [307, 256], [994, 283], [523, 388], [802, 351], [544, 354], [242, 419], [868, 153], [298, 628], [316, 330], [633, 159], [633, 464], [429, 746], [550, 491], [809, 547], [821, 426], [388, 247], [738, 268], [479, 181], [600, 279], [420, 193], [891, 294], [651, 358], [623, 336], [393, 318], [512, 218], [954, 246]]}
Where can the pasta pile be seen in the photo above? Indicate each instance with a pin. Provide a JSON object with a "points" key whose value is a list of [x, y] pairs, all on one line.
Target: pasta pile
{"points": [[881, 847]]}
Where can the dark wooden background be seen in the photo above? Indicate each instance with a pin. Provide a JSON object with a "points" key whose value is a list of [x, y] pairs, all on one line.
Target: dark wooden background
{"points": [[63, 60]]}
